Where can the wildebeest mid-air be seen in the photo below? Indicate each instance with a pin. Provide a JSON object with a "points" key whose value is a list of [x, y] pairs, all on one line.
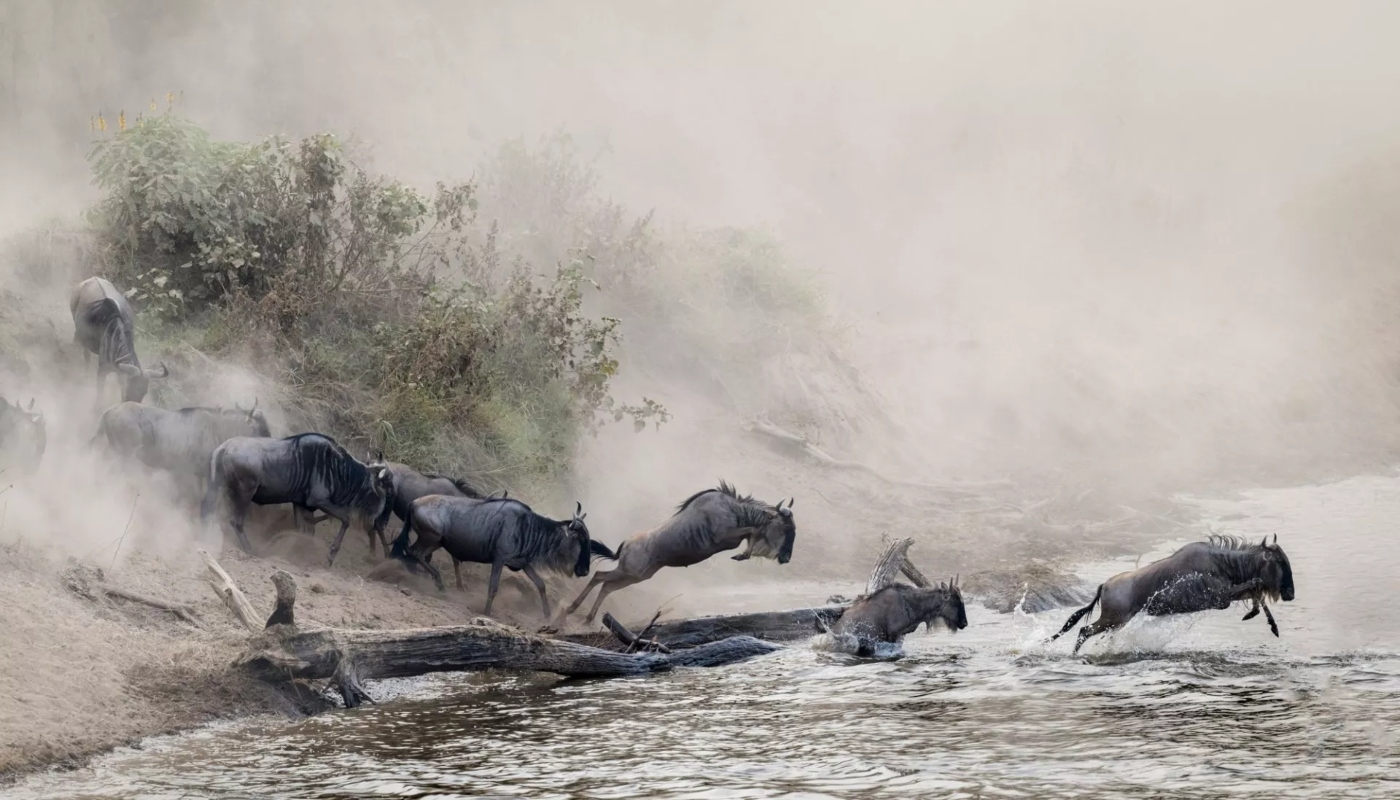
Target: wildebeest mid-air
{"points": [[104, 324], [706, 524], [895, 611], [499, 532], [1201, 576], [310, 470]]}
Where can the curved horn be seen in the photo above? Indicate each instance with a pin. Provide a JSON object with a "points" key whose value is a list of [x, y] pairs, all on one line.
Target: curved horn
{"points": [[254, 408], [1275, 535], [1265, 541], [578, 509], [164, 371]]}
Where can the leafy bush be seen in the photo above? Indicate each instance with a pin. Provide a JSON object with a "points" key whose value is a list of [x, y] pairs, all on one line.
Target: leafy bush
{"points": [[392, 313]]}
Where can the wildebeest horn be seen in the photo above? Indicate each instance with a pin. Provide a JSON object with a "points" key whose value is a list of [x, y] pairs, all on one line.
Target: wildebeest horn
{"points": [[31, 408], [128, 369], [164, 371], [1265, 541], [578, 508], [1275, 535]]}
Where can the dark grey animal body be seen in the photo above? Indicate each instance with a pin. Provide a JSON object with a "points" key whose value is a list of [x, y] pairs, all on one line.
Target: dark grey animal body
{"points": [[310, 470], [180, 441], [890, 614], [499, 532], [706, 524], [23, 435], [410, 484], [103, 323], [1201, 576]]}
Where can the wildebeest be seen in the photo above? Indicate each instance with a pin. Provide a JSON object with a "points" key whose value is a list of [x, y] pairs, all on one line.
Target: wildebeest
{"points": [[890, 614], [410, 484], [103, 323], [499, 532], [706, 524], [180, 441], [1201, 576], [23, 437], [310, 470]]}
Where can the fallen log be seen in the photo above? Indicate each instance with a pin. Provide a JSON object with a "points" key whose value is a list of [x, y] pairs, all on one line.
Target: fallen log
{"points": [[633, 641], [768, 626], [88, 582], [348, 657]]}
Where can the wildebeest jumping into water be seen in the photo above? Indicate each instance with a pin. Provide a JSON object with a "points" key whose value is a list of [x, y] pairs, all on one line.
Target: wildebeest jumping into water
{"points": [[105, 326], [499, 532], [1201, 576], [890, 614], [310, 470], [706, 524]]}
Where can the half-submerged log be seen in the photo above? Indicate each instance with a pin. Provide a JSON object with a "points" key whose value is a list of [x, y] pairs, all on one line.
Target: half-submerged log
{"points": [[351, 656]]}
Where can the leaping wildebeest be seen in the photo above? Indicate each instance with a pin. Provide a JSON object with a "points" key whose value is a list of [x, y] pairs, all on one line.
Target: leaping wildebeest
{"points": [[23, 437], [309, 470], [105, 326], [706, 524], [890, 614], [1201, 576], [499, 532], [181, 442]]}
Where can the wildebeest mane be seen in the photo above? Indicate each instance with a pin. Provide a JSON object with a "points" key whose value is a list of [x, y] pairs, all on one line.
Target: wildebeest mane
{"points": [[1236, 544], [1242, 560], [723, 488], [100, 313], [539, 539], [462, 486]]}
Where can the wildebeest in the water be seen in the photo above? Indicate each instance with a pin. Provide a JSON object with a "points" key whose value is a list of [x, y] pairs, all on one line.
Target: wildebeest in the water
{"points": [[499, 532], [181, 442], [309, 470], [104, 324], [888, 615], [706, 524], [1201, 576]]}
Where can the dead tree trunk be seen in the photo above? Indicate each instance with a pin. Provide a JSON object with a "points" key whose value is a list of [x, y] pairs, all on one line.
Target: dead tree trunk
{"points": [[350, 656], [286, 598]]}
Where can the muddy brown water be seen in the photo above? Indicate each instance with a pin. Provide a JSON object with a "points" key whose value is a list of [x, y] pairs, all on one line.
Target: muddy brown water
{"points": [[1200, 706]]}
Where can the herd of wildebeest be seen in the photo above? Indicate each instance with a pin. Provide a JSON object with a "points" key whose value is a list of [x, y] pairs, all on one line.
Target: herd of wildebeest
{"points": [[237, 463]]}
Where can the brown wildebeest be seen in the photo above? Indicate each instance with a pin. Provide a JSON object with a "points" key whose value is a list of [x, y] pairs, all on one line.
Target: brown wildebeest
{"points": [[895, 611], [1201, 576], [706, 524], [499, 532]]}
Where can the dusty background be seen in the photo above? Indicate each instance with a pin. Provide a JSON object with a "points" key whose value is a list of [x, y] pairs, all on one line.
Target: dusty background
{"points": [[1105, 252]]}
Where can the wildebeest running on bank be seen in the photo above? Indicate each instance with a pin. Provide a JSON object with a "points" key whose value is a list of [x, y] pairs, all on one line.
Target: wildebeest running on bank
{"points": [[1201, 576], [181, 442], [410, 484], [706, 524], [105, 326], [309, 470], [890, 614], [499, 532], [23, 437]]}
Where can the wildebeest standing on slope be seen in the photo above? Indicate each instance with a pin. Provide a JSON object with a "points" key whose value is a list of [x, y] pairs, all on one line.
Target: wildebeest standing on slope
{"points": [[23, 437], [499, 532], [890, 614], [180, 442], [309, 470], [706, 524], [1201, 576], [104, 325]]}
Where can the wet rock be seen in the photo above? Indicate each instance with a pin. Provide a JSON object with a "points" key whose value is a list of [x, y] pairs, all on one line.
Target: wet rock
{"points": [[1043, 587]]}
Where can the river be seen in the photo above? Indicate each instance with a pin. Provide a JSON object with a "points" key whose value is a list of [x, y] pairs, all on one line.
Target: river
{"points": [[1199, 706]]}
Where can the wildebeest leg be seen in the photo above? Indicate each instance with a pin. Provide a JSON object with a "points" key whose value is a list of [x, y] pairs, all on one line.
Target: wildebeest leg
{"points": [[609, 588], [495, 584], [1252, 613], [539, 584], [457, 572], [335, 545], [240, 513], [1269, 615], [598, 577], [1093, 629]]}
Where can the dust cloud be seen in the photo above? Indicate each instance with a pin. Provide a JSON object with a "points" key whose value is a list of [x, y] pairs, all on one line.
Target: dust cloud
{"points": [[1111, 243]]}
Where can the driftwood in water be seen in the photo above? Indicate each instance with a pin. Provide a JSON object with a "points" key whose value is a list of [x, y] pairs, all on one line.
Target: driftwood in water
{"points": [[350, 656], [634, 641], [229, 592]]}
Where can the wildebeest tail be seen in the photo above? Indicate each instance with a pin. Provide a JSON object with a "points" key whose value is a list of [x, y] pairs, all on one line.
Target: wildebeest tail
{"points": [[597, 548], [467, 489], [216, 483], [1078, 615]]}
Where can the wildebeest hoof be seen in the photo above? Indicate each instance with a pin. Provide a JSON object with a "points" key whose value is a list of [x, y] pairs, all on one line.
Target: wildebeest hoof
{"points": [[1250, 614], [741, 557]]}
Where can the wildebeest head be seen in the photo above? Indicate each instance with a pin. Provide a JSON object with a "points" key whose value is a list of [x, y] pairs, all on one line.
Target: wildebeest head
{"points": [[384, 492], [21, 426], [255, 421], [1276, 572], [136, 380], [578, 531], [775, 537], [947, 609]]}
